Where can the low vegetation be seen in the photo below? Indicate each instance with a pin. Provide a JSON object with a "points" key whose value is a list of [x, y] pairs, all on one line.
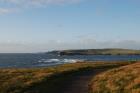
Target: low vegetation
{"points": [[125, 79], [44, 80], [98, 52]]}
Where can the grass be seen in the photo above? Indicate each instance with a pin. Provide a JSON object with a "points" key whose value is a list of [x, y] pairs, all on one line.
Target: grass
{"points": [[110, 51], [44, 80], [125, 79]]}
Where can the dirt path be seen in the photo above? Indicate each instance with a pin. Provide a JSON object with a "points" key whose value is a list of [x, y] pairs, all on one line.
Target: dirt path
{"points": [[79, 83], [67, 83]]}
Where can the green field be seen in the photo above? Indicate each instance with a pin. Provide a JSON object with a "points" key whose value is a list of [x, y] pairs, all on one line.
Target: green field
{"points": [[98, 52]]}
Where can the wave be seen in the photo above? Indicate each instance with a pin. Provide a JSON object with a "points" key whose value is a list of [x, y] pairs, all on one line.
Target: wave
{"points": [[59, 60]]}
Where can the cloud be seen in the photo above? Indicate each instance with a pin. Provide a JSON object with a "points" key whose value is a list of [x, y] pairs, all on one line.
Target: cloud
{"points": [[25, 47], [36, 2], [10, 6], [6, 10]]}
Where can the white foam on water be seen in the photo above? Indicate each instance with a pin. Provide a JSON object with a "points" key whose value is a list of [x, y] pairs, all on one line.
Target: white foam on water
{"points": [[70, 60], [59, 60]]}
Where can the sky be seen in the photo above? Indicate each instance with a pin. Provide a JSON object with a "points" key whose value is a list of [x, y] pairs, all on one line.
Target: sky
{"points": [[45, 25]]}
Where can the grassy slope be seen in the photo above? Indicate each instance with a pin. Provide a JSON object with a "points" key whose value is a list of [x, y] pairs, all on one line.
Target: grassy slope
{"points": [[100, 52], [121, 80], [41, 80]]}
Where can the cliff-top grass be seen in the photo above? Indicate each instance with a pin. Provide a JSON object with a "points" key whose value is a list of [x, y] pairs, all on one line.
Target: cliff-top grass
{"points": [[40, 80], [125, 79]]}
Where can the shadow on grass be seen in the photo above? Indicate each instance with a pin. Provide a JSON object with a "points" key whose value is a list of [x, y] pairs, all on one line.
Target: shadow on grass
{"points": [[58, 82]]}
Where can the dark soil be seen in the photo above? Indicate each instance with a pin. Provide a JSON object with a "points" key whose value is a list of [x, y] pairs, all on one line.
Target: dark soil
{"points": [[79, 83], [76, 82]]}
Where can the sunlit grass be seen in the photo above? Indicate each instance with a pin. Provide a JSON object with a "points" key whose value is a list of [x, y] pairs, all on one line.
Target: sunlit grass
{"points": [[121, 80], [40, 80]]}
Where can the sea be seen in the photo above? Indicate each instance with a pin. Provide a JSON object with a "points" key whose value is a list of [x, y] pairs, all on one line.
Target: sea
{"points": [[31, 60]]}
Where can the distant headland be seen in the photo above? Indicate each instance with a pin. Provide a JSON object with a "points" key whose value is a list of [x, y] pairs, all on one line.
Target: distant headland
{"points": [[109, 51]]}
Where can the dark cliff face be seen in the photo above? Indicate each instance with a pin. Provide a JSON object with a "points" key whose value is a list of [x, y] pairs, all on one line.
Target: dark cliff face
{"points": [[72, 53], [53, 53]]}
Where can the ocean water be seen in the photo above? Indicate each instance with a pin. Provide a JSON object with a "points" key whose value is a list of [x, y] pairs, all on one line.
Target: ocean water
{"points": [[44, 60]]}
